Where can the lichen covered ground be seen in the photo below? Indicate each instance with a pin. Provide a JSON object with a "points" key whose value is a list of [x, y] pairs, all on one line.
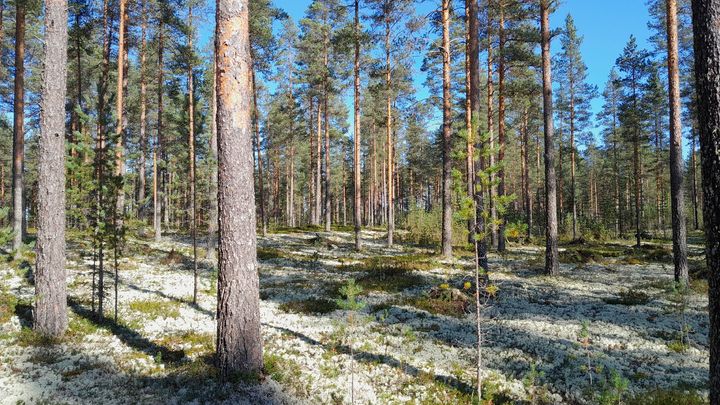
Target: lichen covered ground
{"points": [[609, 327]]}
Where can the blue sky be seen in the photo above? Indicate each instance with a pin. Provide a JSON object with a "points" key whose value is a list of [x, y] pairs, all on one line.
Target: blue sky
{"points": [[605, 25]]}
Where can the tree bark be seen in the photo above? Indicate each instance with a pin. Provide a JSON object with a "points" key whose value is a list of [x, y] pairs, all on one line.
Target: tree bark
{"points": [[50, 313], [357, 185], [501, 124], [239, 343], [19, 128], [551, 238], [389, 141], [119, 128], [706, 19], [261, 179], [158, 182], [143, 114], [192, 211], [447, 134], [677, 199]]}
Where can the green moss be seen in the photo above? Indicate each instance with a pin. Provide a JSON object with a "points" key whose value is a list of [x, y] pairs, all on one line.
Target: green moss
{"points": [[629, 297], [677, 346], [309, 306], [673, 396], [28, 337], [8, 302], [79, 326], [156, 309], [281, 369], [438, 306]]}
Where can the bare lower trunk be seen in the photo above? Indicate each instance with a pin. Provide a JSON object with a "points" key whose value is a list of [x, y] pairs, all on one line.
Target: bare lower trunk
{"points": [[501, 124], [239, 343], [551, 238], [706, 19], [50, 312], [19, 127], [357, 186], [677, 199], [158, 156], [447, 134], [143, 116], [389, 141], [213, 217]]}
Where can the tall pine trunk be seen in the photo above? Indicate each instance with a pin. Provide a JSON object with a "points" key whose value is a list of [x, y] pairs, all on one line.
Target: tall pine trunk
{"points": [[357, 186], [143, 114], [446, 136], [706, 19], [19, 128], [677, 190], [389, 146], [50, 312], [192, 211], [501, 124], [239, 343], [551, 231]]}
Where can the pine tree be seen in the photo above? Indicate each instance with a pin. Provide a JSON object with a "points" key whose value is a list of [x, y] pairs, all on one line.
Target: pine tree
{"points": [[633, 66], [239, 344], [50, 313], [573, 75], [551, 238]]}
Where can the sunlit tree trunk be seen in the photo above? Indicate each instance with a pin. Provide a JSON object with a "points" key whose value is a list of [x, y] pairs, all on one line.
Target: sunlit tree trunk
{"points": [[706, 19], [447, 134], [19, 127], [239, 343], [551, 238], [50, 312], [357, 185]]}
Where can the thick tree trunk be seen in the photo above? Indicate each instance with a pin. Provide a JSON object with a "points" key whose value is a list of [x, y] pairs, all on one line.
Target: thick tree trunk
{"points": [[239, 342], [357, 185], [551, 238], [19, 128], [50, 313], [706, 19], [447, 134]]}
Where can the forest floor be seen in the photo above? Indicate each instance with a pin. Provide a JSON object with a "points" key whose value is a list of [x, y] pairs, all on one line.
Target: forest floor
{"points": [[610, 327]]}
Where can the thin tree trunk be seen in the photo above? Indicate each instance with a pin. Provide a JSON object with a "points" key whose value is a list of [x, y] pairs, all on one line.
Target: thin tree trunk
{"points": [[143, 114], [389, 141], [119, 129], [50, 312], [551, 238], [491, 128], [501, 124], [261, 179], [318, 166], [239, 342], [158, 157], [447, 134], [19, 127], [693, 163], [573, 192], [469, 158], [191, 151], [357, 190]]}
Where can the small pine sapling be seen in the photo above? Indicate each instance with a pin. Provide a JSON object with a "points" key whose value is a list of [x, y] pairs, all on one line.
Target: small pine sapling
{"points": [[350, 303]]}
